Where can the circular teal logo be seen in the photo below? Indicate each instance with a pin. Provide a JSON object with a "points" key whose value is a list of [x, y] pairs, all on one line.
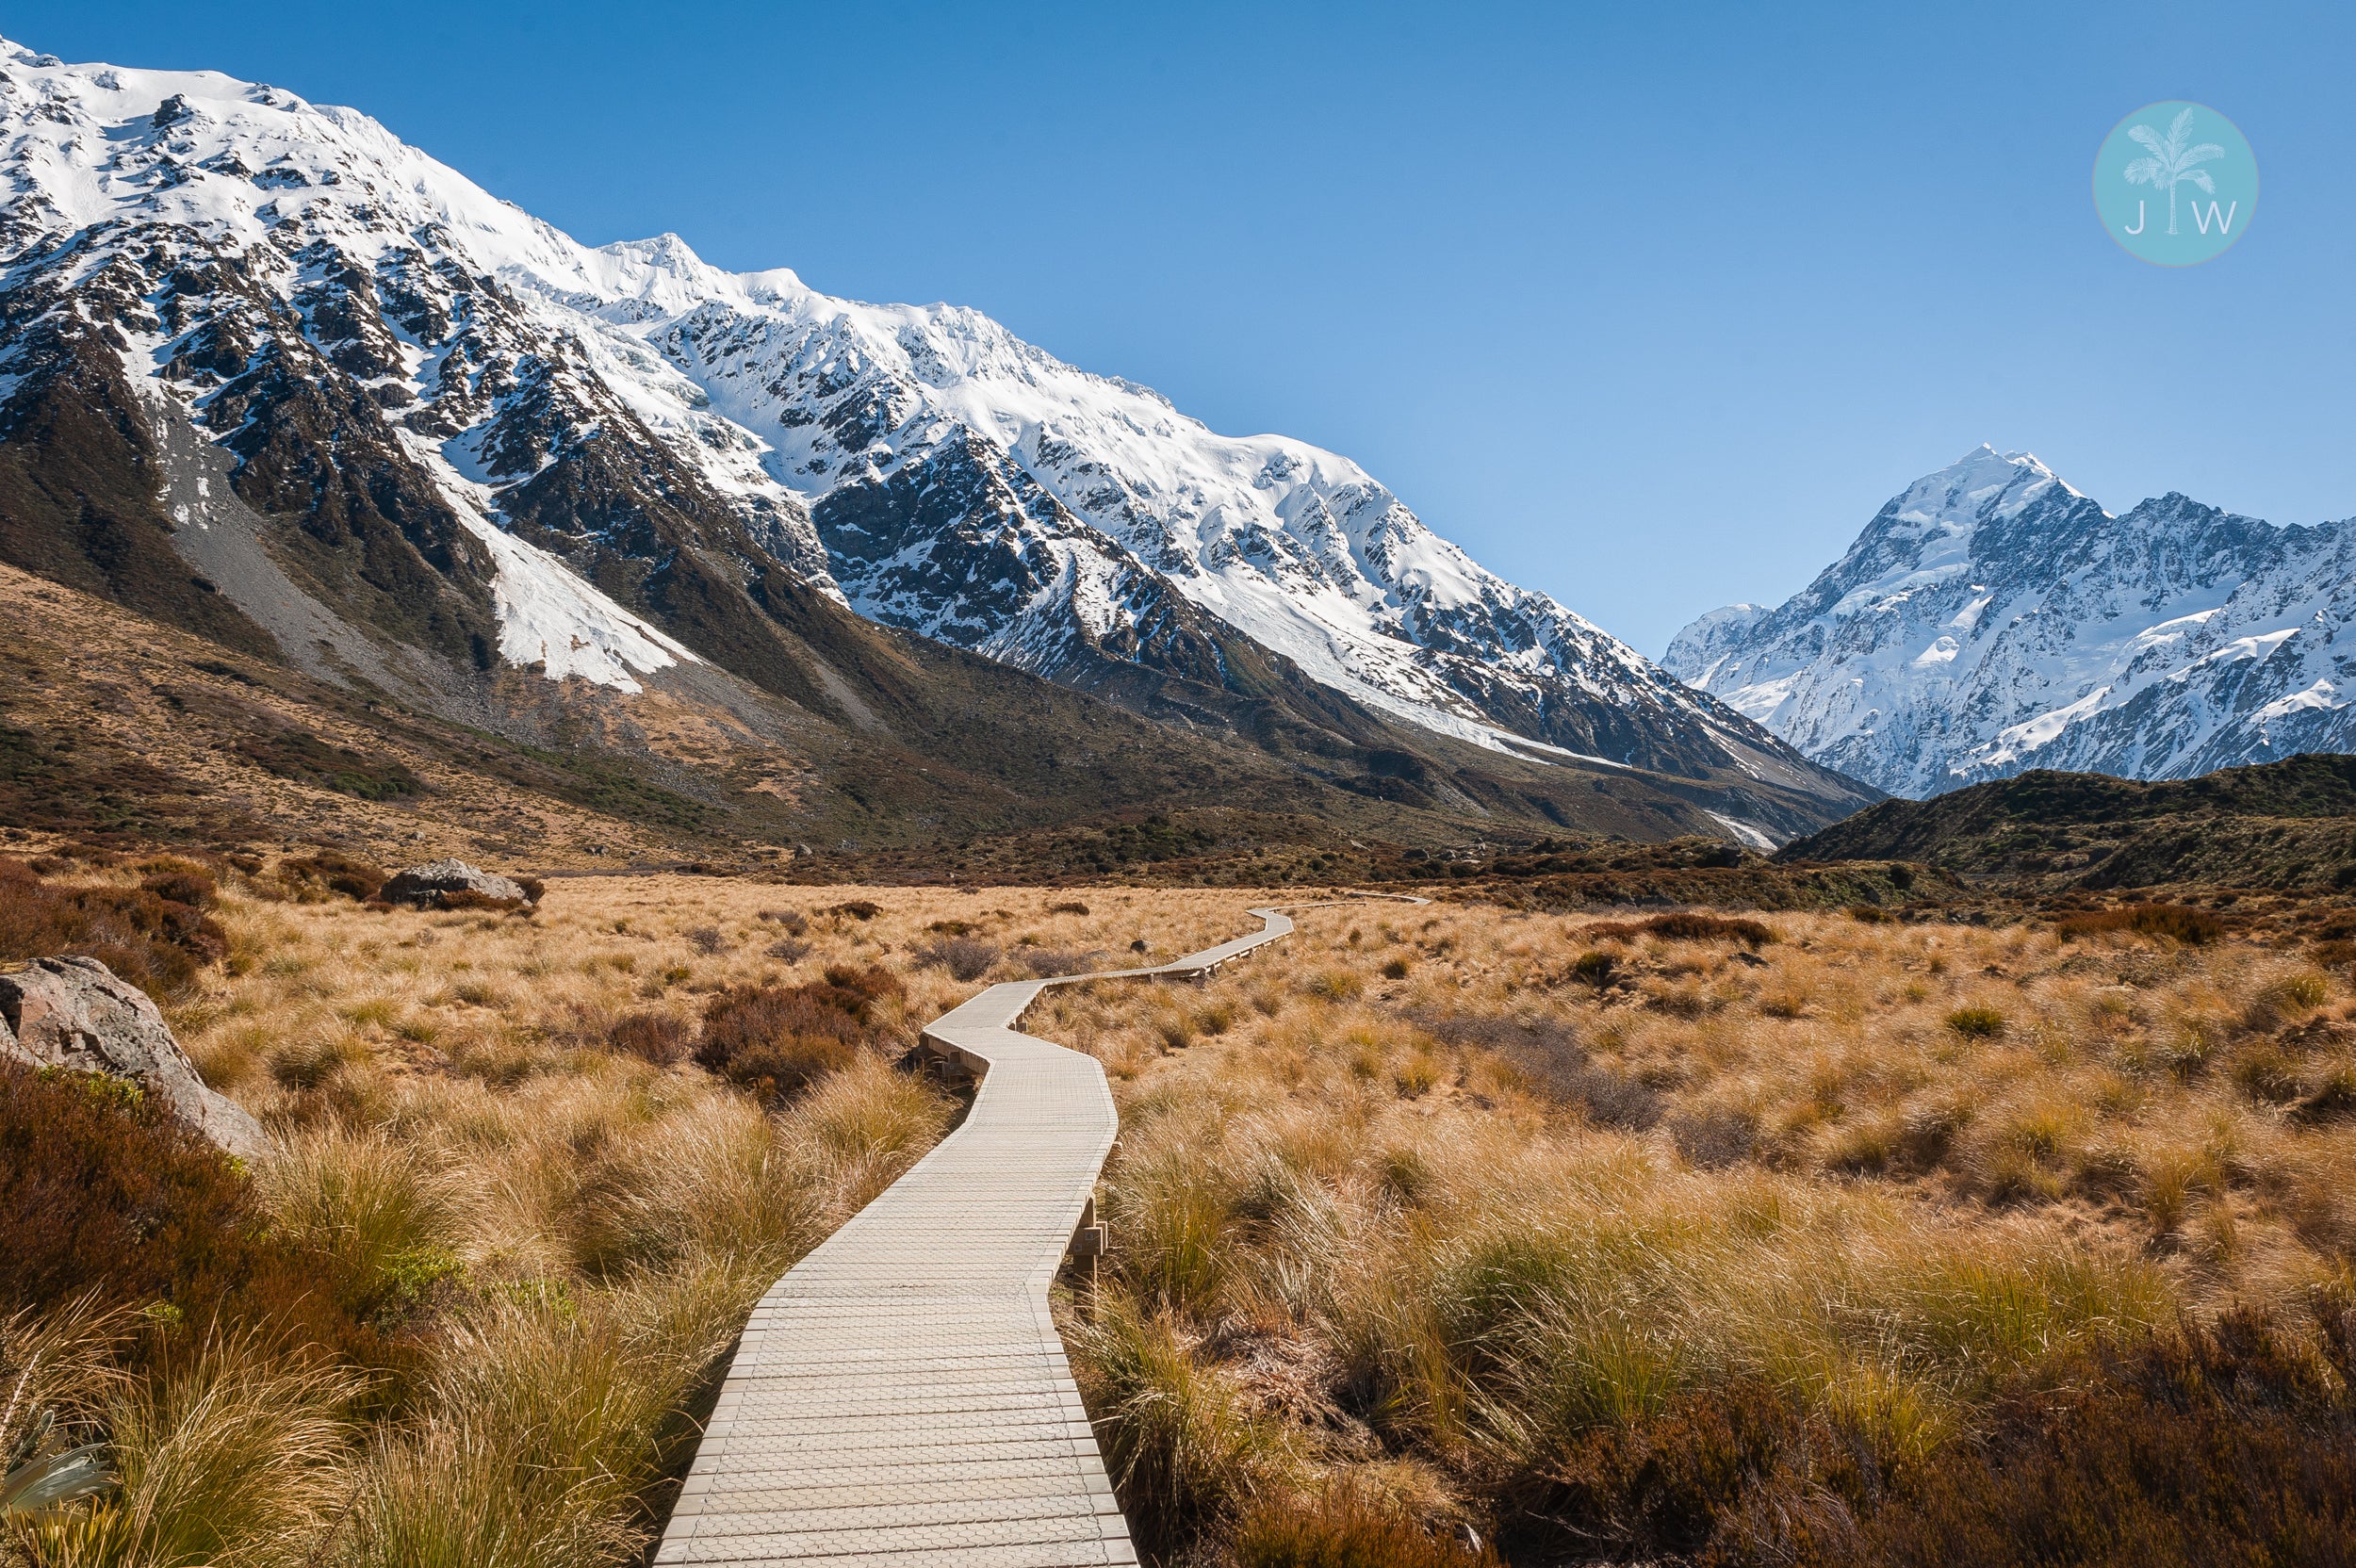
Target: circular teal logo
{"points": [[2175, 184]]}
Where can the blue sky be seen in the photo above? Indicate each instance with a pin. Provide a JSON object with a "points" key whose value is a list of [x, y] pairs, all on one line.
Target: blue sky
{"points": [[1648, 306]]}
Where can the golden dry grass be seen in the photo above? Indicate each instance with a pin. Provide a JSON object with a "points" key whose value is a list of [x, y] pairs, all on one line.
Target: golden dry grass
{"points": [[1414, 1205], [1404, 1211]]}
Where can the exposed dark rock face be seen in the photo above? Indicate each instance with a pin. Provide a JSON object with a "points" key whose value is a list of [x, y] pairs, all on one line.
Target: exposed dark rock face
{"points": [[73, 1013]]}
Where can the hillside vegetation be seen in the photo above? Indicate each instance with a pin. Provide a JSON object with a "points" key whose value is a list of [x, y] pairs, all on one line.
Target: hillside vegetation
{"points": [[2287, 825]]}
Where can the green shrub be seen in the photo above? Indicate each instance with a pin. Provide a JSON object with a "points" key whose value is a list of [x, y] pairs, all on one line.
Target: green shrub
{"points": [[1594, 966]]}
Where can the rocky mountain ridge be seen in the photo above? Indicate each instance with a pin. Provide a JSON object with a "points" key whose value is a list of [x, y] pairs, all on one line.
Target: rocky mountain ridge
{"points": [[1993, 619], [269, 374]]}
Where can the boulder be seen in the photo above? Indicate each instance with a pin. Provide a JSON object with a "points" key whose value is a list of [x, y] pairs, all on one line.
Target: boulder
{"points": [[453, 884], [74, 1013]]}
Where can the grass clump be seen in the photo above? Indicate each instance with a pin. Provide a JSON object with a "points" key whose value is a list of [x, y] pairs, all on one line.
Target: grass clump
{"points": [[1977, 1023], [1340, 1529]]}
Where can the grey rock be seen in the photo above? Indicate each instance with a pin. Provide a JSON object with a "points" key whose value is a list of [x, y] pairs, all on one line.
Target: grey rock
{"points": [[427, 886], [73, 1013]]}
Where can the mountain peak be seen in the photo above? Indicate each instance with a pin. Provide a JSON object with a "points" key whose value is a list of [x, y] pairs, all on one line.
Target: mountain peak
{"points": [[1992, 618]]}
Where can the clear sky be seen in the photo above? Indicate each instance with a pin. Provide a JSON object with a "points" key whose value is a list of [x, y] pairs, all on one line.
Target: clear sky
{"points": [[1650, 306]]}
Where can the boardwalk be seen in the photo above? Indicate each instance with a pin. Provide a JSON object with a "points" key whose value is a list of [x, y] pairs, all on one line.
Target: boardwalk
{"points": [[901, 1398]]}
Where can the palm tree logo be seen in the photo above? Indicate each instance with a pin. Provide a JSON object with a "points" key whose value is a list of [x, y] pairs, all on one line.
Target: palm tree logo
{"points": [[2173, 161]]}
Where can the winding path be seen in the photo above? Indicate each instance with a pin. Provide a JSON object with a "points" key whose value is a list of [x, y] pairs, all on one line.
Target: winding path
{"points": [[901, 1398]]}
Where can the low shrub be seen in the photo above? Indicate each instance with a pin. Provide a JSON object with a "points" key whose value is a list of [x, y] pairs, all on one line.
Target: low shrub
{"points": [[656, 1038], [1548, 1056], [1733, 1474], [100, 1189], [1688, 925], [1073, 908], [2233, 1444], [2180, 921], [105, 1196], [857, 908], [794, 921], [966, 958], [788, 950], [312, 879], [777, 1042], [155, 943]]}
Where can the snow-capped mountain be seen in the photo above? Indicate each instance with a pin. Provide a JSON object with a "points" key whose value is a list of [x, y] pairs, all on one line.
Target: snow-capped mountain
{"points": [[497, 445], [1993, 619]]}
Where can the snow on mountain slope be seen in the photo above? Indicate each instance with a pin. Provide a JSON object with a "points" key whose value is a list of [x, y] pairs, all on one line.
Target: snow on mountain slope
{"points": [[632, 416], [1991, 619]]}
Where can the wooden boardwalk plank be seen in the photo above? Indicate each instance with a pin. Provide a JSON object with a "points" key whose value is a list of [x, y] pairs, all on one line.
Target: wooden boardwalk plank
{"points": [[901, 1396]]}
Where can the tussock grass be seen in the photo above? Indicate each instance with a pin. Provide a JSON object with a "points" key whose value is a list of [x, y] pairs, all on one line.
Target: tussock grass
{"points": [[1702, 1241], [461, 1313], [1429, 1225]]}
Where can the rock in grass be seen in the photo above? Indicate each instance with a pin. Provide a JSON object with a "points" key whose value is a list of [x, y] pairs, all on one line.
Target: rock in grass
{"points": [[73, 1013], [454, 884]]}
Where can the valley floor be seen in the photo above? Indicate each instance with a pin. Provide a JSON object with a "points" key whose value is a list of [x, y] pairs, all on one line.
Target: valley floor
{"points": [[1437, 1232]]}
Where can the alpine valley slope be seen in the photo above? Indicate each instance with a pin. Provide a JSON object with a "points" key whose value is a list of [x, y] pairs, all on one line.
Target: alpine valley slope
{"points": [[1993, 619], [274, 377]]}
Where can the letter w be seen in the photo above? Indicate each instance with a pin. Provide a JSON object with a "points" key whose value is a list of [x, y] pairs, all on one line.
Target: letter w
{"points": [[2224, 224]]}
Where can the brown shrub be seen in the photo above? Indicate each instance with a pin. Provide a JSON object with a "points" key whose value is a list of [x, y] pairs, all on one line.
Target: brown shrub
{"points": [[104, 1192], [154, 942], [312, 877], [102, 1189], [2180, 921], [776, 1041], [1074, 908], [1739, 1474], [857, 908], [794, 921], [2230, 1444], [1549, 1055], [656, 1038], [967, 957], [1687, 925]]}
